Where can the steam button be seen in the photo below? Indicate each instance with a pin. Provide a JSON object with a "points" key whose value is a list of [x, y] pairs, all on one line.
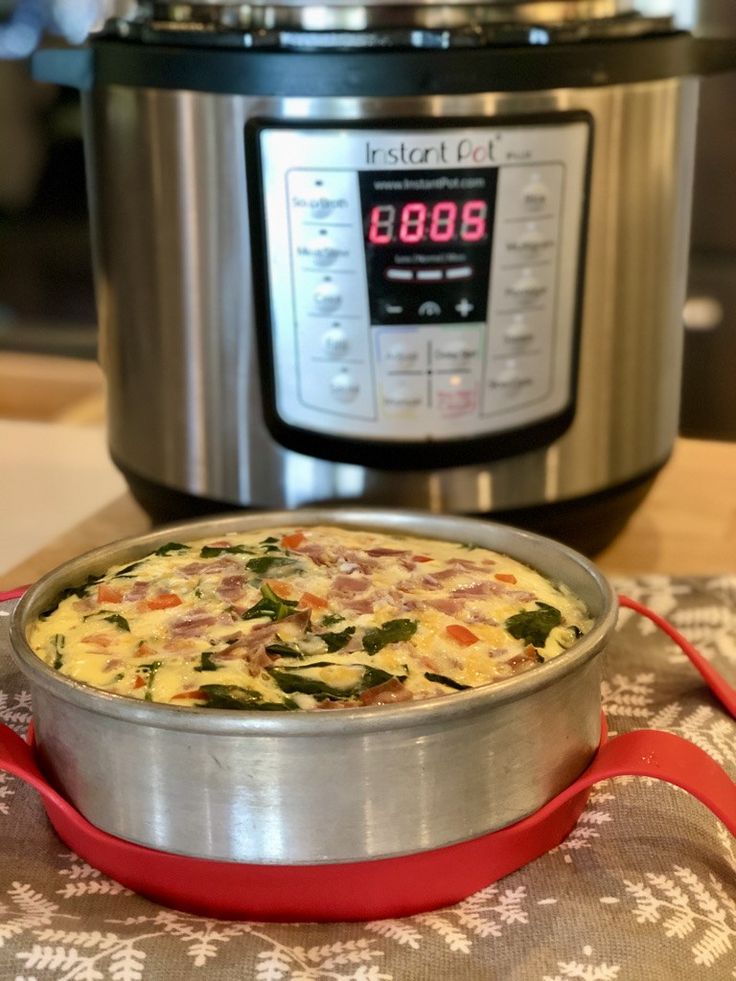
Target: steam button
{"points": [[344, 387], [327, 296]]}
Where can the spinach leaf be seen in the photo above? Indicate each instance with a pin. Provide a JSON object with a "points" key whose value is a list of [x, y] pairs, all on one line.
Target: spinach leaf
{"points": [[81, 591], [264, 564], [206, 662], [331, 619], [150, 671], [236, 697], [442, 679], [111, 617], [170, 547], [337, 640], [390, 632], [297, 681], [212, 551], [125, 573], [284, 650], [119, 621], [58, 640], [534, 626], [271, 606]]}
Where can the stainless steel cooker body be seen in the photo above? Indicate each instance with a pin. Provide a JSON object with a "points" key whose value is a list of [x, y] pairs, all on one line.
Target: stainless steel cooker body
{"points": [[325, 786], [175, 274]]}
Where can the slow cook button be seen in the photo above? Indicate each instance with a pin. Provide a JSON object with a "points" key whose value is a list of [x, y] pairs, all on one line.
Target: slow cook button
{"points": [[327, 296], [344, 387]]}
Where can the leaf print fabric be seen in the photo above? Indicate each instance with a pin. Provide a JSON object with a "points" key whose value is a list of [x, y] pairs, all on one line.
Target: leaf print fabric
{"points": [[643, 888]]}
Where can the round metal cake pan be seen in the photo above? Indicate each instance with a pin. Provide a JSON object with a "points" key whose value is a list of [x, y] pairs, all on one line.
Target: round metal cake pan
{"points": [[320, 787]]}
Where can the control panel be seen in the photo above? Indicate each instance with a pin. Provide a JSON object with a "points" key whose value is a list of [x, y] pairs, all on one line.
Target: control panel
{"points": [[423, 283]]}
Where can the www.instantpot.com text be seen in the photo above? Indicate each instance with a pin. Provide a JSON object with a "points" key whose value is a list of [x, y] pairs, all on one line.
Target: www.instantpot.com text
{"points": [[443, 183]]}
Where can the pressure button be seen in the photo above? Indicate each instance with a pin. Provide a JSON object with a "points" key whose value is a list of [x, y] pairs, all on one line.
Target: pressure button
{"points": [[327, 296]]}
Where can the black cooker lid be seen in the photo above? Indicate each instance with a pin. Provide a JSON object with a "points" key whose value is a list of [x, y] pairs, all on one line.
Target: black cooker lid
{"points": [[386, 72]]}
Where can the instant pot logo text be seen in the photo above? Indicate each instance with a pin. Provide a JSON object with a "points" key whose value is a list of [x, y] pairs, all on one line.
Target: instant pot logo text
{"points": [[462, 151]]}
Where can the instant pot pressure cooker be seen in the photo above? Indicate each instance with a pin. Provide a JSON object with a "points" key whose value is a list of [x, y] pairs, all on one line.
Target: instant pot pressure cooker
{"points": [[392, 254]]}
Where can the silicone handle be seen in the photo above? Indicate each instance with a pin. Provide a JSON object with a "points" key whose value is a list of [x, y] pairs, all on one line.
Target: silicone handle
{"points": [[665, 756], [16, 757], [723, 691]]}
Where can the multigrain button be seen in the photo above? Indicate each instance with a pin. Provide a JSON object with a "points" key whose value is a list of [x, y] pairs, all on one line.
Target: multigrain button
{"points": [[327, 296], [527, 288], [344, 387]]}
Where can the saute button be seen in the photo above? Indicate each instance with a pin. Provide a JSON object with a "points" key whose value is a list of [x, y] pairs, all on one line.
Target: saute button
{"points": [[327, 296], [344, 387]]}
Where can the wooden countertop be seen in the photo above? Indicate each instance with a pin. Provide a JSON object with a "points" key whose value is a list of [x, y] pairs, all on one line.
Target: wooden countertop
{"points": [[687, 524]]}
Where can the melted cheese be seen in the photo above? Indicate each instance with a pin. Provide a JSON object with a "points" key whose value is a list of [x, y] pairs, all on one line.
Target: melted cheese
{"points": [[318, 617]]}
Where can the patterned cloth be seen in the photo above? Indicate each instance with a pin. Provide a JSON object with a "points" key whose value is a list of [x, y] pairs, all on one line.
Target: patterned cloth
{"points": [[644, 888]]}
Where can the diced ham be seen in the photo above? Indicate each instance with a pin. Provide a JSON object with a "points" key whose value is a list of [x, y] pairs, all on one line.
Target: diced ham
{"points": [[379, 552], [192, 623], [350, 584], [231, 588], [99, 640], [386, 694], [84, 605], [486, 588], [316, 552], [137, 591], [222, 563], [446, 605], [359, 604]]}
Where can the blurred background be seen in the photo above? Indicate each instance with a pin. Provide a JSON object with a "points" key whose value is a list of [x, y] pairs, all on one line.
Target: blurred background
{"points": [[46, 292]]}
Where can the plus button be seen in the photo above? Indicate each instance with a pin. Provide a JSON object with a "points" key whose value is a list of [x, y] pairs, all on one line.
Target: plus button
{"points": [[464, 307]]}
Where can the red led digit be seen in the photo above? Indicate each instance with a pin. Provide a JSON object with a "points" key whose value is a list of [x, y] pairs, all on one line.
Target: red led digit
{"points": [[443, 221], [413, 222], [381, 228], [473, 224]]}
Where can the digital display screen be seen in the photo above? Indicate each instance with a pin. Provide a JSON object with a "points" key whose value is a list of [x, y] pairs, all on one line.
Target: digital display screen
{"points": [[434, 221], [427, 238]]}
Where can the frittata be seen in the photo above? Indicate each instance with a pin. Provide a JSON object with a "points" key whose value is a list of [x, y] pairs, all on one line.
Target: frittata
{"points": [[319, 617]]}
